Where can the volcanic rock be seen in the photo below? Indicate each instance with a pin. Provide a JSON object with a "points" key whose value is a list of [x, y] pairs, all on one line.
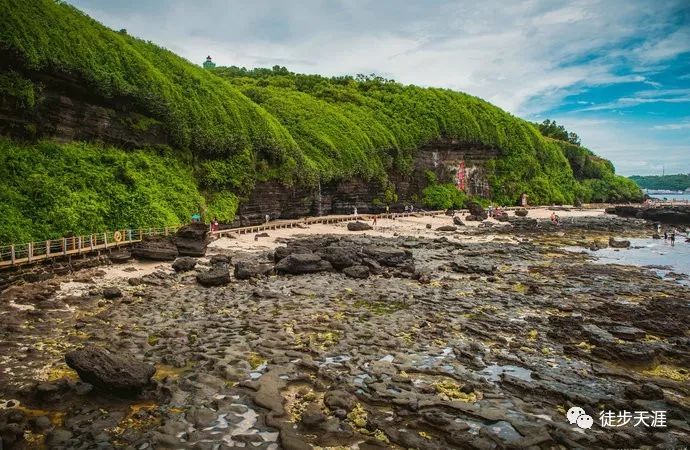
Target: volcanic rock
{"points": [[358, 226], [299, 263], [121, 373], [192, 240], [184, 264], [155, 248], [218, 276], [358, 271], [245, 270], [613, 243]]}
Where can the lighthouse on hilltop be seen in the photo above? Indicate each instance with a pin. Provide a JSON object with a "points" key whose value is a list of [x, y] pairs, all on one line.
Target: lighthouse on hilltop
{"points": [[209, 64]]}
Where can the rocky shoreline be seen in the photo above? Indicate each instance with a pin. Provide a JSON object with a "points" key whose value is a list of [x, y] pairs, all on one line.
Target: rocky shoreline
{"points": [[430, 341]]}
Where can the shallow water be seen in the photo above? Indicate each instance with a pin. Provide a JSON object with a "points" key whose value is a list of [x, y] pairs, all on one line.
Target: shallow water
{"points": [[658, 253]]}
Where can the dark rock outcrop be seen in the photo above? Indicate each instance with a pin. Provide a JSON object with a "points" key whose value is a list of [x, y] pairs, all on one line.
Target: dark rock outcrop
{"points": [[192, 239], [457, 221], [501, 216], [245, 270], [613, 243], [522, 212], [477, 210], [184, 264], [299, 263], [120, 256], [671, 215], [218, 276], [358, 226], [112, 292], [447, 228], [472, 265], [155, 248], [119, 373]]}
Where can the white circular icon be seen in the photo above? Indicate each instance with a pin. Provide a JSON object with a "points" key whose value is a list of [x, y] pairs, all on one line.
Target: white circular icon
{"points": [[576, 415], [573, 413], [585, 422]]}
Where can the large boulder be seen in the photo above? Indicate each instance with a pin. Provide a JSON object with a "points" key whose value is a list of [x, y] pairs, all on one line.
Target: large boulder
{"points": [[184, 264], [218, 276], [390, 256], [358, 226], [245, 270], [299, 263], [156, 248], [340, 257], [522, 212], [192, 239], [120, 373], [457, 221]]}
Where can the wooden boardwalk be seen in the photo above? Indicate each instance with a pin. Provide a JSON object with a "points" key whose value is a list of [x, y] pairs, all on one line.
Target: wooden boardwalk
{"points": [[33, 252]]}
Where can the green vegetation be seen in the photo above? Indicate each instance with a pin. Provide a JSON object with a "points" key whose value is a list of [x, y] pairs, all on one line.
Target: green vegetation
{"points": [[597, 181], [442, 196], [679, 182], [549, 128], [201, 112], [237, 127], [48, 189]]}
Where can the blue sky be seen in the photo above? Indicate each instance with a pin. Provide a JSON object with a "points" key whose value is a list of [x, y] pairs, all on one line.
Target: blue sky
{"points": [[617, 72]]}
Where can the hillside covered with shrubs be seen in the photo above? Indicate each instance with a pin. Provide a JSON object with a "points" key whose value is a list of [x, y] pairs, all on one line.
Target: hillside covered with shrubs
{"points": [[231, 128]]}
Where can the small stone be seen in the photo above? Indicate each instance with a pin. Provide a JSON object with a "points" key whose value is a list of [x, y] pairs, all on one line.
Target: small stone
{"points": [[112, 292], [184, 264]]}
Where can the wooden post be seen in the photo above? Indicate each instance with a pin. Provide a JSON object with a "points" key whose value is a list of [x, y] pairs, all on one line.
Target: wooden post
{"points": [[12, 254], [141, 236], [91, 241], [30, 251], [166, 231], [79, 243], [105, 239], [47, 249], [64, 246]]}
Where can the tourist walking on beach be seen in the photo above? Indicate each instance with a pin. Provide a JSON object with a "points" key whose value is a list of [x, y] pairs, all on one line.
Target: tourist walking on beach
{"points": [[673, 236], [374, 220], [666, 235], [268, 217], [354, 211]]}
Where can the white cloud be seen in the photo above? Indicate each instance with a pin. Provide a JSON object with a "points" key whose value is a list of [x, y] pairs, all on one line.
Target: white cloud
{"points": [[673, 126]]}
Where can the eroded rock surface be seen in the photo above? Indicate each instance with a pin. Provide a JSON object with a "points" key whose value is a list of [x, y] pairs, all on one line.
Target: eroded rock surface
{"points": [[446, 344]]}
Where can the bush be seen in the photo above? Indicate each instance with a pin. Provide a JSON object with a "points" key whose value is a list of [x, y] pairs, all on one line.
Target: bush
{"points": [[443, 196], [50, 189]]}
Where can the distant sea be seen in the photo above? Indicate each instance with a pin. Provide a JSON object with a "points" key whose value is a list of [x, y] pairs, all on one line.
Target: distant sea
{"points": [[674, 197]]}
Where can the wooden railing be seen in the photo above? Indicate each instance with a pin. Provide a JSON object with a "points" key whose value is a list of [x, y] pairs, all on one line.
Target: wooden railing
{"points": [[18, 254], [277, 224], [15, 255]]}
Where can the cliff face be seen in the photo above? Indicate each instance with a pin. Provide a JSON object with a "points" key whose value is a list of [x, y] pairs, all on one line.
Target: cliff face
{"points": [[445, 158], [66, 110]]}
